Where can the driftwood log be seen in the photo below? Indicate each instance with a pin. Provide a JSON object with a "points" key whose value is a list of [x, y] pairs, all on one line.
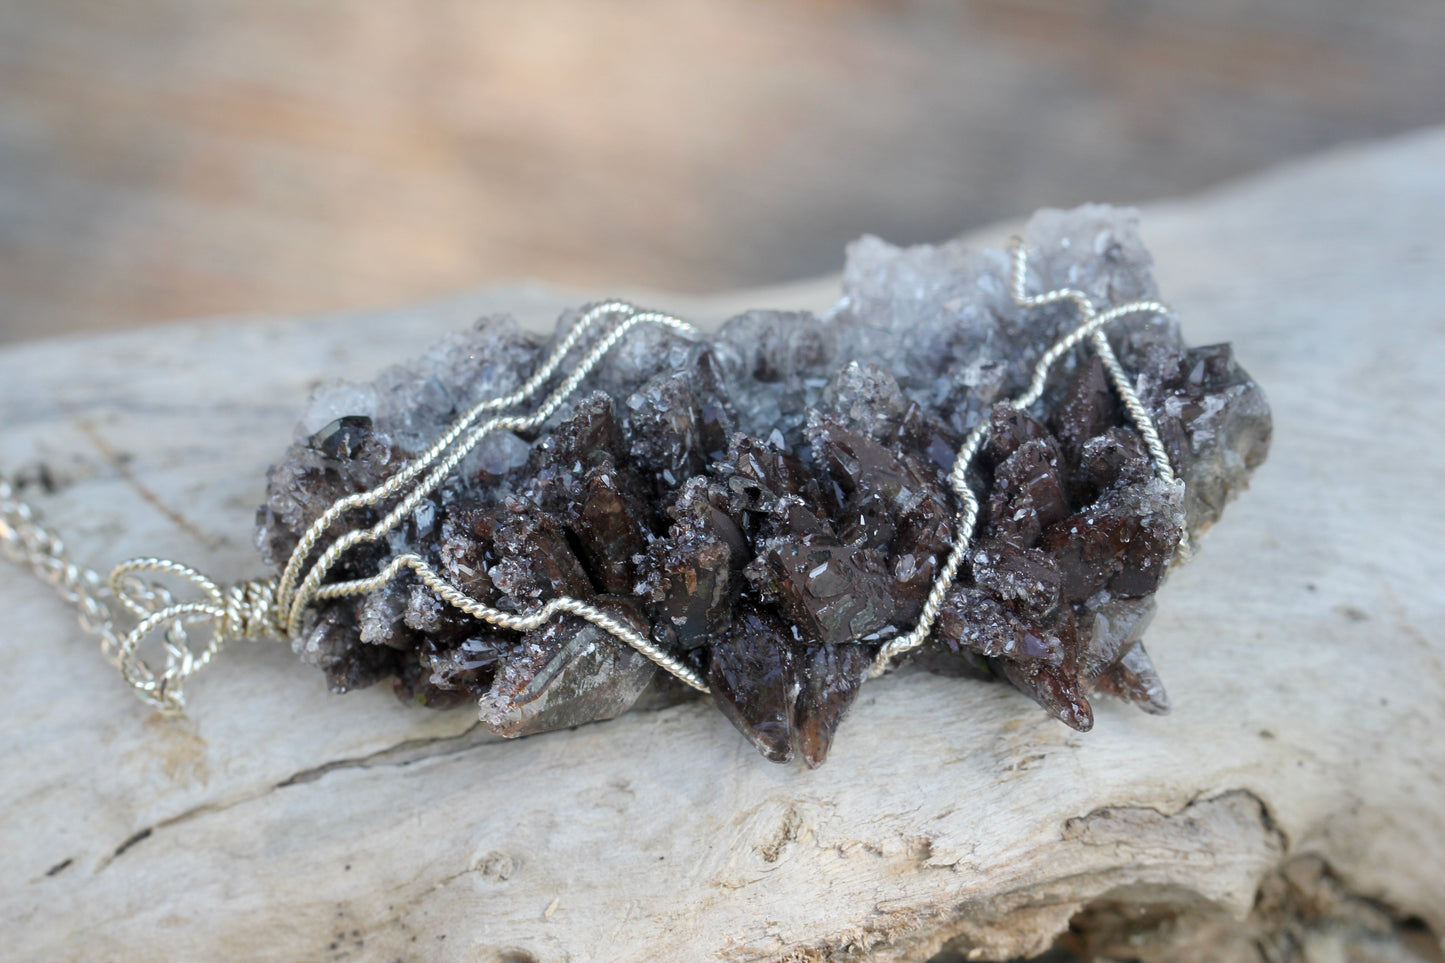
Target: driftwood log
{"points": [[1295, 795]]}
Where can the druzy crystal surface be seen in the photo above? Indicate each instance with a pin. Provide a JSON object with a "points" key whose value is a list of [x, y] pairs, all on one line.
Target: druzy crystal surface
{"points": [[771, 501]]}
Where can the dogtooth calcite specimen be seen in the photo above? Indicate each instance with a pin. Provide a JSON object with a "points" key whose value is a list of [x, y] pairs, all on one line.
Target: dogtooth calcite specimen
{"points": [[771, 501]]}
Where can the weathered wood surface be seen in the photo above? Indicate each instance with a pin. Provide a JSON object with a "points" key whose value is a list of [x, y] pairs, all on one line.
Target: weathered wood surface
{"points": [[1302, 649]]}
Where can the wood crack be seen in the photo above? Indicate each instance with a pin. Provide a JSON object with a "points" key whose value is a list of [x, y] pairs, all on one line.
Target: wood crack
{"points": [[404, 753]]}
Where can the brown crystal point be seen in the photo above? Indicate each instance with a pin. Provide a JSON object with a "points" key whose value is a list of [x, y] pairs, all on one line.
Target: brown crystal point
{"points": [[688, 576], [1054, 688], [667, 430], [754, 682], [716, 416], [610, 525], [833, 592], [591, 437], [890, 504], [690, 584], [1026, 579], [344, 457], [1028, 493], [567, 673], [1114, 659], [330, 643], [972, 621], [1216, 425], [864, 467], [755, 475], [1057, 686], [1087, 408], [467, 669], [454, 658], [1122, 542], [1009, 428], [786, 697], [1134, 679], [1117, 626], [1110, 460], [830, 678], [465, 550], [913, 571], [536, 559]]}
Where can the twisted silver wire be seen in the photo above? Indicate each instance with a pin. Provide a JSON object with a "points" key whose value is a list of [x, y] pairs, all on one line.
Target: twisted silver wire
{"points": [[1091, 328], [277, 606], [286, 587], [241, 611], [1134, 407], [295, 602], [514, 621], [1096, 322]]}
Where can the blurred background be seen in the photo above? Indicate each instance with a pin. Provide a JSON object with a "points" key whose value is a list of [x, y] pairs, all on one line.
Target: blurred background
{"points": [[162, 159]]}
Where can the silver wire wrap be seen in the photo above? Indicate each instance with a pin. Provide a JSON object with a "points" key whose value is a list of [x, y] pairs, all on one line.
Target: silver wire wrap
{"points": [[277, 607], [297, 592], [241, 611], [1091, 327]]}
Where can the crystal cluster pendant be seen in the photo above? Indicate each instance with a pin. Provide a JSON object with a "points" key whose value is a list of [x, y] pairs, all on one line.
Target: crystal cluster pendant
{"points": [[770, 503]]}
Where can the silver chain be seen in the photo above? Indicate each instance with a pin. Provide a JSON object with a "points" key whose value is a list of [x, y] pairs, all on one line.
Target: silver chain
{"points": [[105, 604], [24, 540], [276, 607]]}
